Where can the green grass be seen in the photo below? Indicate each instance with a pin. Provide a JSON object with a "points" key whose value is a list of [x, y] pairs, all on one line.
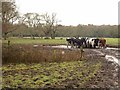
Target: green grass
{"points": [[41, 75], [36, 41], [110, 41], [113, 41]]}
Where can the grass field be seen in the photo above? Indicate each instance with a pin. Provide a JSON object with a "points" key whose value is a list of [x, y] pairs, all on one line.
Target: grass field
{"points": [[110, 41], [113, 41], [36, 41], [73, 74]]}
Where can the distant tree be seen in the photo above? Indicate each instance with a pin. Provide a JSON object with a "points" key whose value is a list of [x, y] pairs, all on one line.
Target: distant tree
{"points": [[9, 16], [32, 20], [50, 24]]}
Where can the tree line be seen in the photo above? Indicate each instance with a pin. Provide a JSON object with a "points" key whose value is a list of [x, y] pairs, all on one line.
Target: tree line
{"points": [[88, 31], [46, 25], [70, 31]]}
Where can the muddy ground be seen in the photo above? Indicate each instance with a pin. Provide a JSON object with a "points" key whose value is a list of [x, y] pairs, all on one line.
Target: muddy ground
{"points": [[106, 77]]}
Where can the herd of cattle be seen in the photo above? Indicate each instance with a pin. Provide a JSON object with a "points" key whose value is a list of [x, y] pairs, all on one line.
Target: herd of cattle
{"points": [[86, 42]]}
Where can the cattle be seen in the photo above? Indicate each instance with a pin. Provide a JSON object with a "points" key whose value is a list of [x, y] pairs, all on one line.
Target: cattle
{"points": [[102, 43], [70, 41], [96, 42], [86, 42], [76, 42], [92, 42], [80, 42]]}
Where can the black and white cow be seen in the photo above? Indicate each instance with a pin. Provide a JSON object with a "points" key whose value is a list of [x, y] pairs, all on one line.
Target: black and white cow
{"points": [[78, 42], [70, 41], [92, 42]]}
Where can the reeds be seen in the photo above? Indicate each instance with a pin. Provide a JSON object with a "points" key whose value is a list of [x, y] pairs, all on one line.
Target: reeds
{"points": [[30, 54]]}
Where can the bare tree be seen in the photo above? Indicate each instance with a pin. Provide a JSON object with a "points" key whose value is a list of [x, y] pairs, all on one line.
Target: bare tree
{"points": [[35, 21], [50, 24], [9, 16], [32, 20]]}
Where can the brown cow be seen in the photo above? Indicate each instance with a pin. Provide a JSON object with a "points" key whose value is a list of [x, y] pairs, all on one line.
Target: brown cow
{"points": [[102, 42]]}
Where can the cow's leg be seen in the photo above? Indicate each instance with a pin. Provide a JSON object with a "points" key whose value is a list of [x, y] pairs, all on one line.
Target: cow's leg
{"points": [[90, 45], [76, 45], [98, 45], [67, 45], [85, 45], [72, 45], [105, 46], [94, 45]]}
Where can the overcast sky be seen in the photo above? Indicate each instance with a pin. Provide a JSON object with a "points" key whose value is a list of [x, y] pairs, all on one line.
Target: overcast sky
{"points": [[74, 12]]}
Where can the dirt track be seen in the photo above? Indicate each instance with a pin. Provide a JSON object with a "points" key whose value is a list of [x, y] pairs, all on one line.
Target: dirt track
{"points": [[107, 77]]}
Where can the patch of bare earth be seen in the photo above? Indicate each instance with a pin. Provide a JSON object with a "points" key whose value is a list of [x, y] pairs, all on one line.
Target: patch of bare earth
{"points": [[107, 76]]}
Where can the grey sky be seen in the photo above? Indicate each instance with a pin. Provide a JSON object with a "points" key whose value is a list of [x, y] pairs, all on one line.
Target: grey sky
{"points": [[74, 12]]}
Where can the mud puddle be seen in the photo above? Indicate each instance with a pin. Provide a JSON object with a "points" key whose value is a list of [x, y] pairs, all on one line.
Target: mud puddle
{"points": [[109, 48], [108, 57], [112, 59], [61, 46]]}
